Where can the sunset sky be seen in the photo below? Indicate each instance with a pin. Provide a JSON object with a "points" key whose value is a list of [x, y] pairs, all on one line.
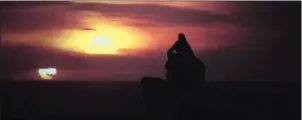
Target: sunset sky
{"points": [[129, 40]]}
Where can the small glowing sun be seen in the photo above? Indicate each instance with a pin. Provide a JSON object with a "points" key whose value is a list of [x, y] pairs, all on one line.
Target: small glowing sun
{"points": [[47, 73]]}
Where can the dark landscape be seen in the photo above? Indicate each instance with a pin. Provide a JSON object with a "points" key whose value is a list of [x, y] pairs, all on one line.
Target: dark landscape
{"points": [[58, 100]]}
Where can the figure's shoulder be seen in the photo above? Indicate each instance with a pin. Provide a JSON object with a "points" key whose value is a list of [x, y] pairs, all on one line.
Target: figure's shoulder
{"points": [[199, 63]]}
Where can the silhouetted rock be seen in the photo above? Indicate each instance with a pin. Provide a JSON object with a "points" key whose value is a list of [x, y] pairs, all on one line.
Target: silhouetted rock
{"points": [[182, 95]]}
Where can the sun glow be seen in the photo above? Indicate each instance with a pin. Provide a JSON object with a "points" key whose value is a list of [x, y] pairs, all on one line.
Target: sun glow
{"points": [[101, 39], [101, 45]]}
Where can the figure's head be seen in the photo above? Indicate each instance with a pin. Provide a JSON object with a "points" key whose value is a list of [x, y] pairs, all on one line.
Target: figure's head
{"points": [[179, 56], [182, 46]]}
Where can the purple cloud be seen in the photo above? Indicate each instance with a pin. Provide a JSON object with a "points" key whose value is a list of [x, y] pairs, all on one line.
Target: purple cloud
{"points": [[28, 16]]}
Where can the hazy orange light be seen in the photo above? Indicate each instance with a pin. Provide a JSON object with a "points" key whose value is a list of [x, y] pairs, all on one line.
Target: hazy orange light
{"points": [[47, 73], [103, 38], [101, 45]]}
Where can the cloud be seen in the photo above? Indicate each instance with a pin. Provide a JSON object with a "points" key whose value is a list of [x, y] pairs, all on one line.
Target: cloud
{"points": [[28, 16], [162, 14], [89, 29], [32, 16], [33, 4]]}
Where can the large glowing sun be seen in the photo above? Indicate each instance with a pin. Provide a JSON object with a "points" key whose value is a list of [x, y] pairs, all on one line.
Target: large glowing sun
{"points": [[102, 39], [101, 45]]}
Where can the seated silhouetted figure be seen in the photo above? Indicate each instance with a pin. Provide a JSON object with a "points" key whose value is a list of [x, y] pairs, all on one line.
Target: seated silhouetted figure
{"points": [[181, 96]]}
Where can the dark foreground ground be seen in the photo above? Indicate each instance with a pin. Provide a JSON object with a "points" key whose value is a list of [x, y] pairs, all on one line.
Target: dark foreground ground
{"points": [[49, 100]]}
